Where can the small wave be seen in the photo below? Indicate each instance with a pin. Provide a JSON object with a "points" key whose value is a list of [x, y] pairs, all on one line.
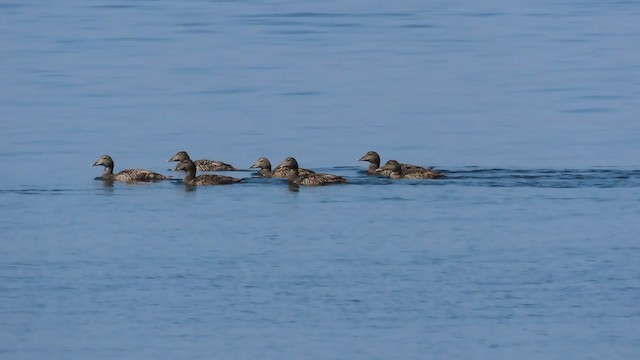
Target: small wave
{"points": [[504, 177], [554, 178], [38, 191], [467, 176]]}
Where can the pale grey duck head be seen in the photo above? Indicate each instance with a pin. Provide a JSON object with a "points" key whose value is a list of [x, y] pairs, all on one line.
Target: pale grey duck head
{"points": [[179, 156], [372, 157], [392, 166], [104, 160], [186, 165], [290, 163], [262, 163]]}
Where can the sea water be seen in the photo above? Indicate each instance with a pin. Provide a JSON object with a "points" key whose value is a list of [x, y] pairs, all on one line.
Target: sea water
{"points": [[527, 249]]}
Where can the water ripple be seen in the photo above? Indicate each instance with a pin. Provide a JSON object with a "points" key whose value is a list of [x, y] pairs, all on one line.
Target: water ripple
{"points": [[464, 176], [546, 178]]}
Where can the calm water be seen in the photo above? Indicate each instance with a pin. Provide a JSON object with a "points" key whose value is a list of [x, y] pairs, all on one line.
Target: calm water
{"points": [[529, 249]]}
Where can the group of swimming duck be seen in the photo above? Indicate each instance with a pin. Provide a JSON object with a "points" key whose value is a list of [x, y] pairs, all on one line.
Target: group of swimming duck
{"points": [[288, 169]]}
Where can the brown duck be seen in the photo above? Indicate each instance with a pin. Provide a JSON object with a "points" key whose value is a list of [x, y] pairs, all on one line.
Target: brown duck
{"points": [[204, 164], [190, 178], [374, 165], [279, 172], [295, 177], [129, 175], [395, 172]]}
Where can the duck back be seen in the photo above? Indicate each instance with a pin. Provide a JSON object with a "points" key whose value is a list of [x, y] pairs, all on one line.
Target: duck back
{"points": [[319, 179], [213, 165], [210, 179], [132, 175]]}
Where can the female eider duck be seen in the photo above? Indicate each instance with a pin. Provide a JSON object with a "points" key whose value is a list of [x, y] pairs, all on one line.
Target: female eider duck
{"points": [[204, 164], [279, 172], [374, 167], [395, 172], [295, 177], [190, 178], [129, 175]]}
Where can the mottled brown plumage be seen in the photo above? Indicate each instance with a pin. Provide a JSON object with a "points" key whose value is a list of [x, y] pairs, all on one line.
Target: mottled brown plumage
{"points": [[395, 170], [204, 164], [129, 175], [374, 165], [190, 178], [279, 172], [311, 179]]}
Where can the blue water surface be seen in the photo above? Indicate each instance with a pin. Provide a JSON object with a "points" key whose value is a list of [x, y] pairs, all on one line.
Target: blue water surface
{"points": [[528, 248]]}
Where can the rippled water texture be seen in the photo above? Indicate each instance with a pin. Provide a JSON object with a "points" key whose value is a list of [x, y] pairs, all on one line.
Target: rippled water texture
{"points": [[528, 249]]}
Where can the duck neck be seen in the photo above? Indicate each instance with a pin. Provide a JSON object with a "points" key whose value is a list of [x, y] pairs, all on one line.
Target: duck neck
{"points": [[374, 164], [293, 175], [190, 176], [107, 173]]}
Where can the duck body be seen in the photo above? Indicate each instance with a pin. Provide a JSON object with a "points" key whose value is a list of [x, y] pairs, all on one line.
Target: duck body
{"points": [[294, 176], [394, 169], [129, 175], [190, 178], [204, 164], [279, 172]]}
